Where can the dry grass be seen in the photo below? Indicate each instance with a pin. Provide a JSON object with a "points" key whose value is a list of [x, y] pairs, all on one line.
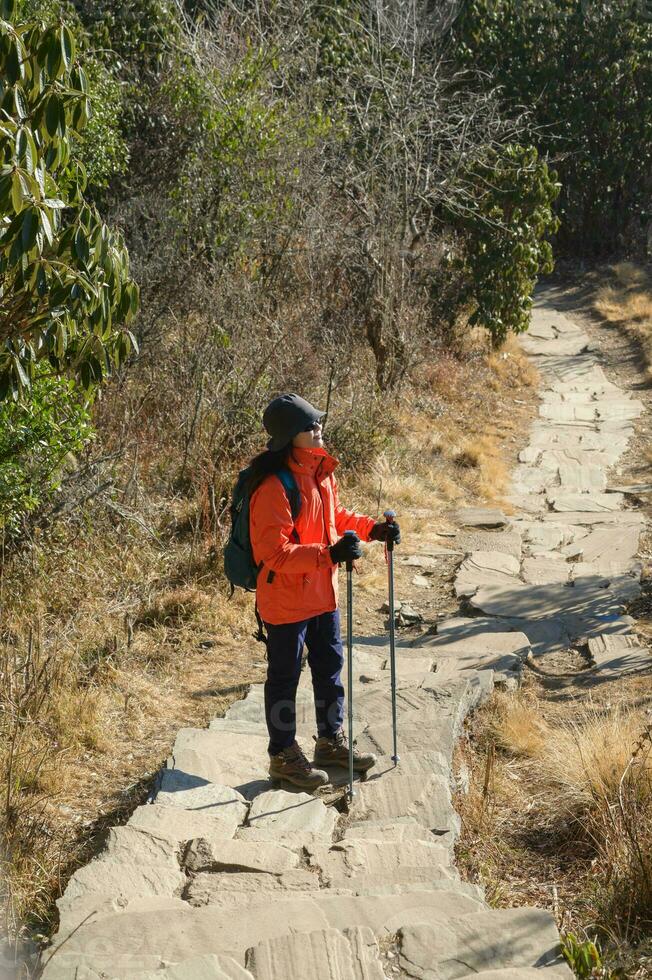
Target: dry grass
{"points": [[518, 727], [560, 813], [626, 301]]}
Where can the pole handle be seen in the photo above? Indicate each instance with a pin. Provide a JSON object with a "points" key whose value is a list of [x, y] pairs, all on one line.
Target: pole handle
{"points": [[390, 517], [349, 561]]}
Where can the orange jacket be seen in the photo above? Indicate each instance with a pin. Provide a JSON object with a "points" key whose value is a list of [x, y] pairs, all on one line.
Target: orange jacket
{"points": [[298, 581]]}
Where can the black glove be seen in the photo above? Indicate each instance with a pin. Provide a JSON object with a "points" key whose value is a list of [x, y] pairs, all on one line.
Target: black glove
{"points": [[384, 531], [346, 549]]}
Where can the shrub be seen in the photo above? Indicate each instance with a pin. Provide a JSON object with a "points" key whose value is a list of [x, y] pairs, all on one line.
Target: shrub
{"points": [[65, 291], [37, 437], [504, 248], [585, 70]]}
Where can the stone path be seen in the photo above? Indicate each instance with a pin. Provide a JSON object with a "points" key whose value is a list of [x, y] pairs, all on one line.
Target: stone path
{"points": [[571, 567], [224, 876]]}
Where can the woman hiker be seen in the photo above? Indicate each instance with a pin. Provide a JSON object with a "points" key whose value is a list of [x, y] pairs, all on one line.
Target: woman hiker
{"points": [[296, 593]]}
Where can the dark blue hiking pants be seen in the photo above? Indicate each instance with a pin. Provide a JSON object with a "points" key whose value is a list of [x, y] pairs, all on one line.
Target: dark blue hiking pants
{"points": [[321, 636]]}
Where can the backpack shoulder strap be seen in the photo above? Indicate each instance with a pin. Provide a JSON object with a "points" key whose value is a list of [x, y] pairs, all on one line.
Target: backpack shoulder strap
{"points": [[292, 491], [293, 494]]}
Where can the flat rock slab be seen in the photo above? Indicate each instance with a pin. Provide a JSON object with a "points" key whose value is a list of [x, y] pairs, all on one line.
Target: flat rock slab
{"points": [[410, 667], [466, 627], [429, 719], [268, 857], [134, 845], [426, 762], [502, 653], [397, 794], [237, 727], [325, 955], [616, 544], [609, 645], [191, 792], [467, 639], [608, 519], [209, 888], [118, 943], [485, 568], [592, 503], [350, 858], [480, 517], [505, 938], [178, 825], [209, 967], [547, 601], [397, 829], [542, 635], [240, 761], [117, 880], [545, 537], [506, 542], [543, 571], [610, 409], [581, 477], [616, 655], [526, 973], [530, 479], [280, 816]]}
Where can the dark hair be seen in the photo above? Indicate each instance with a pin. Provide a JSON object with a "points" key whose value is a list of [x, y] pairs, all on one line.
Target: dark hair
{"points": [[265, 464]]}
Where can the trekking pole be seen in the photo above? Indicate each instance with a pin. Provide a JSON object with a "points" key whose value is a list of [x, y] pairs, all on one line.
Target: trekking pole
{"points": [[389, 546], [349, 644]]}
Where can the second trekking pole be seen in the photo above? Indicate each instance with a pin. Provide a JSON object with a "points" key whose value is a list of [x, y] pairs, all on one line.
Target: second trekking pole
{"points": [[389, 517], [349, 646]]}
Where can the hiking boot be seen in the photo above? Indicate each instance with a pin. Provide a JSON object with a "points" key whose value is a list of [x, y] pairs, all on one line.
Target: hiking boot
{"points": [[335, 752], [292, 766]]}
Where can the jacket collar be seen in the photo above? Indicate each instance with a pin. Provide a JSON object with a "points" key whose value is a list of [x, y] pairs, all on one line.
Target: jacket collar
{"points": [[316, 462]]}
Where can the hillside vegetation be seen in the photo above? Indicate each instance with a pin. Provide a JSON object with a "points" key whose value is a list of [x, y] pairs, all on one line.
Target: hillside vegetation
{"points": [[204, 204]]}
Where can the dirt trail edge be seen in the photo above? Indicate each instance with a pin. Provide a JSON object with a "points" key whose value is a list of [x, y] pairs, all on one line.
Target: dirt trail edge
{"points": [[224, 876]]}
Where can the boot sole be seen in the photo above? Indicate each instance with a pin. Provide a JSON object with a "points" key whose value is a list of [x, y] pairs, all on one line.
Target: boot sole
{"points": [[309, 787], [344, 764]]}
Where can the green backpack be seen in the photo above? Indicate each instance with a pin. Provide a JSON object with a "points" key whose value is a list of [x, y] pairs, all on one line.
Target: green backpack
{"points": [[239, 565]]}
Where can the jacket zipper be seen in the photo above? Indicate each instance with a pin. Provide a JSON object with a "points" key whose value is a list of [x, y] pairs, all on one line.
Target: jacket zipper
{"points": [[323, 514]]}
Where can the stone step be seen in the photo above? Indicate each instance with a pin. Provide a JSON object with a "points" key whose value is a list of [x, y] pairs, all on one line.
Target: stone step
{"points": [[327, 954], [497, 939], [102, 883], [397, 829], [178, 825], [239, 761], [120, 939], [137, 846], [206, 888], [350, 858], [485, 568], [431, 720], [191, 791], [294, 819], [232, 856], [398, 794], [209, 967]]}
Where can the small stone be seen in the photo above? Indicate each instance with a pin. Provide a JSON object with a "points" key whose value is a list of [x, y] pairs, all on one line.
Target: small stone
{"points": [[407, 616], [385, 606], [419, 561], [421, 582]]}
